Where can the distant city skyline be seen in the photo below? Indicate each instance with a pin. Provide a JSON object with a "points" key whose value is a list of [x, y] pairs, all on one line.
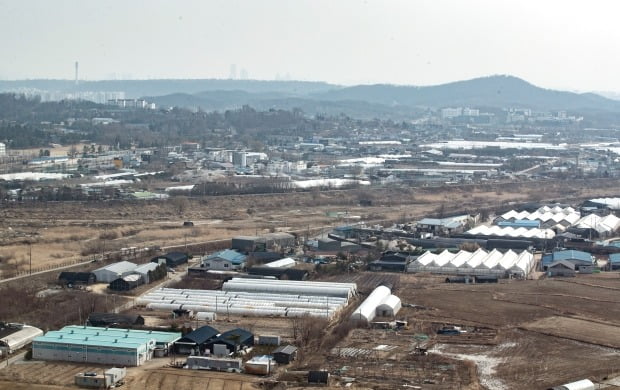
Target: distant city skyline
{"points": [[567, 45]]}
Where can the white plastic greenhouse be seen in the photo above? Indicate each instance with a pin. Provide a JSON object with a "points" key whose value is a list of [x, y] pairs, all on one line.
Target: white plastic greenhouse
{"points": [[247, 302], [367, 311]]}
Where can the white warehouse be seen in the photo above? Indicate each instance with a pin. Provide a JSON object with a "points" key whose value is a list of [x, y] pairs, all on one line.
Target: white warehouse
{"points": [[114, 271]]}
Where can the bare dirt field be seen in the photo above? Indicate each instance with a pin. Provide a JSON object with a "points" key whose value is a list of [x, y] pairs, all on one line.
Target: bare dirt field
{"points": [[58, 375], [577, 329], [573, 326]]}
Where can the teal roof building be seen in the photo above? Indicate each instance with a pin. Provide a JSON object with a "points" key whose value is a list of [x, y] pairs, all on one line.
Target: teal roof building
{"points": [[90, 344]]}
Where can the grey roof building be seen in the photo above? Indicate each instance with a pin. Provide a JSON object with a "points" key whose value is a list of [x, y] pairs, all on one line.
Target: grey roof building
{"points": [[114, 271]]}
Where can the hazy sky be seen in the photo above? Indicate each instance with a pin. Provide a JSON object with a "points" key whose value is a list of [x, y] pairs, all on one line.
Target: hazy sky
{"points": [[552, 43]]}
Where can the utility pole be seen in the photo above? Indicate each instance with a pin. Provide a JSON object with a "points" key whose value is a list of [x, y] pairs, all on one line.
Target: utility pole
{"points": [[30, 255], [105, 233]]}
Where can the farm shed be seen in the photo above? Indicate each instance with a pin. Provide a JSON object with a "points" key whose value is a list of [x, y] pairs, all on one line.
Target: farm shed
{"points": [[114, 271], [440, 226], [576, 257], [225, 260], [561, 268], [233, 341], [327, 244], [114, 319], [584, 384], [205, 316], [285, 354], [280, 273], [260, 365], [279, 240], [248, 243], [318, 377], [76, 278], [144, 269], [126, 283], [96, 345], [391, 261], [172, 259], [16, 336], [195, 341], [213, 363], [614, 261], [268, 340], [100, 381]]}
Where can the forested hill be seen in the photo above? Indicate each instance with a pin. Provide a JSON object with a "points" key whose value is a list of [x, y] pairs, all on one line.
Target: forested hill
{"points": [[494, 91], [380, 100]]}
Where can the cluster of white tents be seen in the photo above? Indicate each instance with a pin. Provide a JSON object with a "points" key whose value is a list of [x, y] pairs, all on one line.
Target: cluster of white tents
{"points": [[603, 225], [265, 303], [551, 217], [508, 231], [479, 262]]}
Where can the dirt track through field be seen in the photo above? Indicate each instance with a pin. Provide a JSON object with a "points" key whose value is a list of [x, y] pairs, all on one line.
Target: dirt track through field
{"points": [[576, 329]]}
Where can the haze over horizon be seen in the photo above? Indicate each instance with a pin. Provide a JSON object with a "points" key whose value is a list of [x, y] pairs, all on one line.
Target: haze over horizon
{"points": [[554, 44]]}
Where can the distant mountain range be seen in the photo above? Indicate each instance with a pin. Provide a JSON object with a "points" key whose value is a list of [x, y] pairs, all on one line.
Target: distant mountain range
{"points": [[379, 100]]}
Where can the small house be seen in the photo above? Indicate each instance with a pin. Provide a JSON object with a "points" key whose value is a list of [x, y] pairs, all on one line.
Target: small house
{"points": [[285, 354], [231, 341], [391, 261], [226, 260], [195, 341]]}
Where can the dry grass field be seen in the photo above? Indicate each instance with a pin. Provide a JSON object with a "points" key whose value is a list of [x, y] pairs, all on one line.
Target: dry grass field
{"points": [[58, 233]]}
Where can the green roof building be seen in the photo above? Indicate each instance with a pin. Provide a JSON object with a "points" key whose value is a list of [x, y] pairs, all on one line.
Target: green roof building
{"points": [[89, 344]]}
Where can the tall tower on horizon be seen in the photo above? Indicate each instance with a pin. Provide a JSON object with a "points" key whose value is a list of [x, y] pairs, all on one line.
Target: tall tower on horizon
{"points": [[76, 72]]}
